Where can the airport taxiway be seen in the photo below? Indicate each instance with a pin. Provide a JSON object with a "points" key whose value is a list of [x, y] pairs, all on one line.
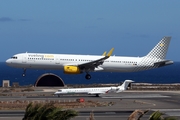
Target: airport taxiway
{"points": [[167, 102]]}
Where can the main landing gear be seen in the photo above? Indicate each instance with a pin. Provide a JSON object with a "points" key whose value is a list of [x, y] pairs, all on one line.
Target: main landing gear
{"points": [[88, 76], [97, 95], [24, 72]]}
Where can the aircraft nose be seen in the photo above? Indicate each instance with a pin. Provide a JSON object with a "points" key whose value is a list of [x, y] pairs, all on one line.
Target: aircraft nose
{"points": [[8, 61]]}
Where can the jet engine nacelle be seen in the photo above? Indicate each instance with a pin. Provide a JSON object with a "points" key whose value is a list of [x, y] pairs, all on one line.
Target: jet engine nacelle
{"points": [[71, 70]]}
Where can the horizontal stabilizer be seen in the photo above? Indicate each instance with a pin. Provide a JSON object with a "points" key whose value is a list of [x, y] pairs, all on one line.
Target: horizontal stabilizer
{"points": [[163, 63]]}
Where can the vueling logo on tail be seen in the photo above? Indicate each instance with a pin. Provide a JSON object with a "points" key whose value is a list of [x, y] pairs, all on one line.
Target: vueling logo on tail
{"points": [[161, 44]]}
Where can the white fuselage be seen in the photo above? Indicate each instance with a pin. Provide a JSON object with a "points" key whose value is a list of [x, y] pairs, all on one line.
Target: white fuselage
{"points": [[76, 64], [58, 61], [90, 91], [95, 90], [86, 90]]}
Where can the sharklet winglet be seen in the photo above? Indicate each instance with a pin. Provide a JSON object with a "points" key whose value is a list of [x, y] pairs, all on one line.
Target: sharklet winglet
{"points": [[110, 52], [104, 54]]}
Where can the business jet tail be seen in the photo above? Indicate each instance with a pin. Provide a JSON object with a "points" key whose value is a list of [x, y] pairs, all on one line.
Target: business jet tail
{"points": [[124, 86], [160, 50]]}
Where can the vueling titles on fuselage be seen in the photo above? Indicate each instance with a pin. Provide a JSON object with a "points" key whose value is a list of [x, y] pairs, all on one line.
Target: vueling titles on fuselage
{"points": [[76, 64]]}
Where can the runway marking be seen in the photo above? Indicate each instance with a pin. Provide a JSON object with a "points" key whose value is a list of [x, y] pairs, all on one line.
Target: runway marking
{"points": [[136, 96], [137, 101]]}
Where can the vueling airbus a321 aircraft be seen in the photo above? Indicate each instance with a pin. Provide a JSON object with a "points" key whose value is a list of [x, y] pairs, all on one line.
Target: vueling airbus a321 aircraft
{"points": [[76, 64]]}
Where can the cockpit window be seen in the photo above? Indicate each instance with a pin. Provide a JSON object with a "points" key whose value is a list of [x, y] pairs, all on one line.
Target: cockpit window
{"points": [[59, 90], [14, 57]]}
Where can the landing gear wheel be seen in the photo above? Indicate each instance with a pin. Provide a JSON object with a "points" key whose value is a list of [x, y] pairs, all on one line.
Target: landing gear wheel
{"points": [[88, 76], [24, 72], [97, 95]]}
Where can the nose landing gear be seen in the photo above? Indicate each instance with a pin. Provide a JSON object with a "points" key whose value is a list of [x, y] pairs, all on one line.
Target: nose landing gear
{"points": [[24, 72]]}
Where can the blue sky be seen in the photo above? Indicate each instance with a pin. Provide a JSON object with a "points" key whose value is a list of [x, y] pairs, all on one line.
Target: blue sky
{"points": [[133, 28]]}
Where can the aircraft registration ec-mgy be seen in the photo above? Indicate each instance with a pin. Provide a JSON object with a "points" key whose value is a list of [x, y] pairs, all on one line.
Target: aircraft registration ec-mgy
{"points": [[76, 64]]}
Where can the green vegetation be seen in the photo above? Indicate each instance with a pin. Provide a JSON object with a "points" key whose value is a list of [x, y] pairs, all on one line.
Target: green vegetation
{"points": [[48, 111], [157, 115]]}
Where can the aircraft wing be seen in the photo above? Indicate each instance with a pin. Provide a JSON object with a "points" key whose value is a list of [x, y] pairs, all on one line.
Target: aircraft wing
{"points": [[94, 64], [94, 93]]}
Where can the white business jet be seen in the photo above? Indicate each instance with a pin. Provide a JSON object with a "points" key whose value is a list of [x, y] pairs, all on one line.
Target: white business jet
{"points": [[94, 91], [76, 64]]}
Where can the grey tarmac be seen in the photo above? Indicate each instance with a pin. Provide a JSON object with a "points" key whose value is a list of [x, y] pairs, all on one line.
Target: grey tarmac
{"points": [[126, 102]]}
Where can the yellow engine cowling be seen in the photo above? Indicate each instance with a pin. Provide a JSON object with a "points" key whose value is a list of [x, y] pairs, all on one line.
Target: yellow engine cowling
{"points": [[71, 70]]}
